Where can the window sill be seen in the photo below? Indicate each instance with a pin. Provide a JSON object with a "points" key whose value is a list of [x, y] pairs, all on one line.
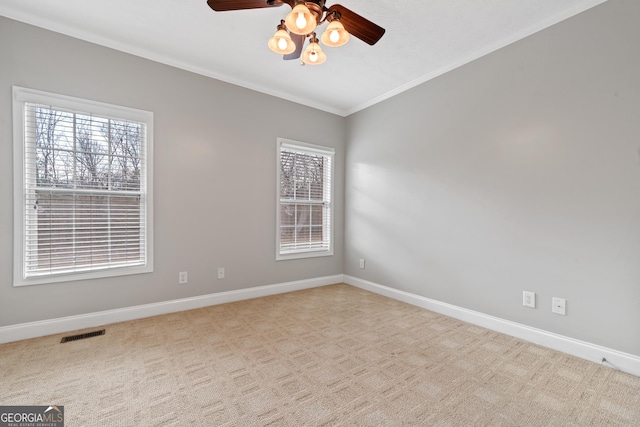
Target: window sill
{"points": [[303, 254], [82, 275]]}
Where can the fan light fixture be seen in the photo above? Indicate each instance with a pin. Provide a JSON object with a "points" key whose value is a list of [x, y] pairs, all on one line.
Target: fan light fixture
{"points": [[302, 21], [281, 42], [313, 54], [335, 35]]}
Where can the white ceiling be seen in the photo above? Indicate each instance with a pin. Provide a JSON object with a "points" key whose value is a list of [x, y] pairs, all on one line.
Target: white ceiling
{"points": [[423, 39]]}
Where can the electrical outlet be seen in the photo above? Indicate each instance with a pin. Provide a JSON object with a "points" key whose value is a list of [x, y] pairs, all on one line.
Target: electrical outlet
{"points": [[361, 262], [529, 299], [183, 279], [559, 306], [221, 273]]}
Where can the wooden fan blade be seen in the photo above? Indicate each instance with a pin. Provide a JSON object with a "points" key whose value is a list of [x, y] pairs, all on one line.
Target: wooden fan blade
{"points": [[299, 41], [224, 5], [358, 26]]}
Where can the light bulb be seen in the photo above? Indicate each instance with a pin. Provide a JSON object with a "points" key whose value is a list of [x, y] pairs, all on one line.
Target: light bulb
{"points": [[334, 36], [313, 54], [281, 42], [301, 22]]}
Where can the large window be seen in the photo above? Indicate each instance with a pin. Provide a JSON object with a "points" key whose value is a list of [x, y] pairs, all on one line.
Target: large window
{"points": [[305, 209], [83, 198]]}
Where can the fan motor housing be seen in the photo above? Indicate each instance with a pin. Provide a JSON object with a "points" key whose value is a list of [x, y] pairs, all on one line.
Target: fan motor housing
{"points": [[316, 9]]}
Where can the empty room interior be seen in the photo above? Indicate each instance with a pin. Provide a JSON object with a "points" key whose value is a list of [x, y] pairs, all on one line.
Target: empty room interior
{"points": [[438, 225]]}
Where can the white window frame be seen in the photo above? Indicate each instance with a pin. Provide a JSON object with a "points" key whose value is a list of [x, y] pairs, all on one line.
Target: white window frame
{"points": [[21, 96], [328, 215]]}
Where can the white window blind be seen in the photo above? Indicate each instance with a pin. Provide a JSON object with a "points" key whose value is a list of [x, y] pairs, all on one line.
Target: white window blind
{"points": [[305, 200], [85, 197]]}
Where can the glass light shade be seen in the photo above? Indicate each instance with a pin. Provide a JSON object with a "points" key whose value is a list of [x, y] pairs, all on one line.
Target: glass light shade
{"points": [[300, 20], [281, 43], [335, 35], [313, 54]]}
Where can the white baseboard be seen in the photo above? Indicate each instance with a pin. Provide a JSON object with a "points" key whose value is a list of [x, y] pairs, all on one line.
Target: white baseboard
{"points": [[615, 359], [72, 323], [593, 352]]}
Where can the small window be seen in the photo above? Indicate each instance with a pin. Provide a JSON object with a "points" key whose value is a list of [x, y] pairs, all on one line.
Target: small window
{"points": [[305, 212], [82, 178]]}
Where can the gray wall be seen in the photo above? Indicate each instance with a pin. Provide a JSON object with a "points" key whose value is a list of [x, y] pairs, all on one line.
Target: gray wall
{"points": [[518, 171], [206, 214]]}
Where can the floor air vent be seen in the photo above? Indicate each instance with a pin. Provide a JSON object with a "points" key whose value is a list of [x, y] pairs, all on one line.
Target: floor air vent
{"points": [[82, 336]]}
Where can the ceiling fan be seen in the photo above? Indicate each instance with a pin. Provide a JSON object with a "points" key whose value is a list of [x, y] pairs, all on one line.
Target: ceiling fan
{"points": [[301, 23]]}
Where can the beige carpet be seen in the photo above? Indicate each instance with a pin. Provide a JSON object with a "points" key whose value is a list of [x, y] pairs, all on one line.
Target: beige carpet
{"points": [[334, 355]]}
